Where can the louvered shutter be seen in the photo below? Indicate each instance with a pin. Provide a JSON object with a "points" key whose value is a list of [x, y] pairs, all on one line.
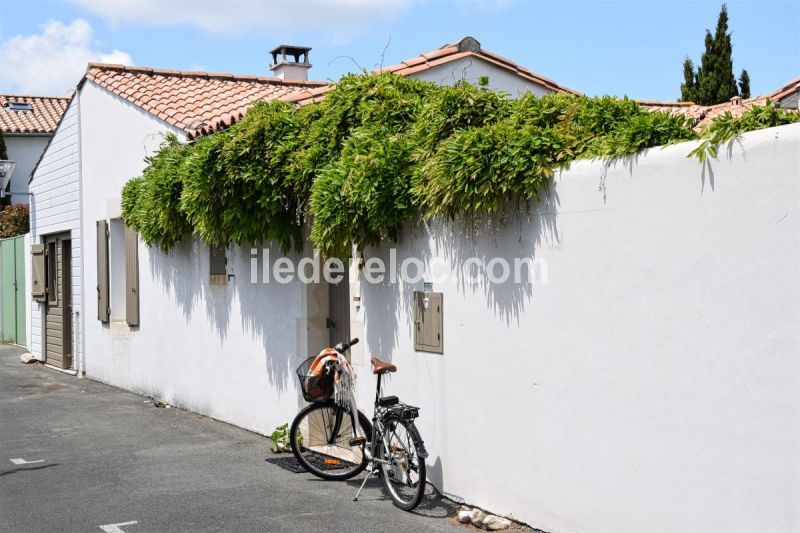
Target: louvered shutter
{"points": [[38, 292], [103, 310], [131, 277]]}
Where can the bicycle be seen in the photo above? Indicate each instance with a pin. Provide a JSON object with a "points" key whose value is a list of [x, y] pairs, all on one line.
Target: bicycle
{"points": [[327, 442]]}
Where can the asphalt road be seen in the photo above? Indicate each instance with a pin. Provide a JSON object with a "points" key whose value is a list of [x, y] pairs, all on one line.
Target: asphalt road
{"points": [[98, 456]]}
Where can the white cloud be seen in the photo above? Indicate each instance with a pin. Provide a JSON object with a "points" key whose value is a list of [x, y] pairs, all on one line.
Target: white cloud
{"points": [[53, 61], [240, 15]]}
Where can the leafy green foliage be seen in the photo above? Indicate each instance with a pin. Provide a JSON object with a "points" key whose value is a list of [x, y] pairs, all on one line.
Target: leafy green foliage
{"points": [[151, 203], [14, 220], [378, 151], [280, 439], [726, 127]]}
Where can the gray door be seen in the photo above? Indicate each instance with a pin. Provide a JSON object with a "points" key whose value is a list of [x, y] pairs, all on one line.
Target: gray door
{"points": [[57, 307], [339, 311]]}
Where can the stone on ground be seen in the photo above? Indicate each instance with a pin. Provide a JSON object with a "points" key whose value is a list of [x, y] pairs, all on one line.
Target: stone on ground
{"points": [[27, 358], [464, 515], [496, 523], [476, 517]]}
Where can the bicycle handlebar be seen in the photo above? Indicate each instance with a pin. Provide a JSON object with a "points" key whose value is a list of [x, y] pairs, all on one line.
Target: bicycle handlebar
{"points": [[347, 345]]}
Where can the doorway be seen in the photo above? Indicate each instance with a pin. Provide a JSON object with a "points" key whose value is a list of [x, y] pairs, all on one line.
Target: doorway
{"points": [[339, 311], [58, 302]]}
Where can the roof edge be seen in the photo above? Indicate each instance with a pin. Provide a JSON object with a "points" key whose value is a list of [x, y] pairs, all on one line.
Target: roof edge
{"points": [[200, 74]]}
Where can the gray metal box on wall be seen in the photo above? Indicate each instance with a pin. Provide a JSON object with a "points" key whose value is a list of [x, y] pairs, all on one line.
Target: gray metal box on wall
{"points": [[428, 323]]}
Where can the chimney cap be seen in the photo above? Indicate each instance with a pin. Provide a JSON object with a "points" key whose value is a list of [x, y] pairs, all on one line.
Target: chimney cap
{"points": [[469, 44], [736, 100], [300, 54]]}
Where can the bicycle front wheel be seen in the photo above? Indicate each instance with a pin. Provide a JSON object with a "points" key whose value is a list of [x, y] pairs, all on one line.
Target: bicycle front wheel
{"points": [[404, 475], [320, 437]]}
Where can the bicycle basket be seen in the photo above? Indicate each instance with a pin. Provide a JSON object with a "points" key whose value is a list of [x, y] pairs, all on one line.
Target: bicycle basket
{"points": [[315, 388]]}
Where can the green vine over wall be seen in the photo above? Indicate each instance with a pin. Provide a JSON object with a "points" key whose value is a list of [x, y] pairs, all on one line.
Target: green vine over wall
{"points": [[381, 150]]}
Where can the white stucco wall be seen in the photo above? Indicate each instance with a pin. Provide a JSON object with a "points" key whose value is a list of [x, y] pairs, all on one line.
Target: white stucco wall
{"points": [[225, 351], [472, 68], [652, 383], [25, 150], [55, 208]]}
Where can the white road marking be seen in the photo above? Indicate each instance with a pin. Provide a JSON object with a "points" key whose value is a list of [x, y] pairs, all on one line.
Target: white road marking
{"points": [[21, 461], [115, 528]]}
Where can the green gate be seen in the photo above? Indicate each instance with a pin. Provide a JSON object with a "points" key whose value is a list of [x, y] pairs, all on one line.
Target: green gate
{"points": [[12, 251]]}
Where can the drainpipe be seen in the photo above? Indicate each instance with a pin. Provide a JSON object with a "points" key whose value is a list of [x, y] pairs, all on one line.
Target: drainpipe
{"points": [[77, 333]]}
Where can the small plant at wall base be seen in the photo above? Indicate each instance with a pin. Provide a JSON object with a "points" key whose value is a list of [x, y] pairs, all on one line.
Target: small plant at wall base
{"points": [[14, 220], [280, 439], [381, 150]]}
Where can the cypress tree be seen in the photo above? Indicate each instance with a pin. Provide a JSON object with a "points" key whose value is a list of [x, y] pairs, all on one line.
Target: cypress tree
{"points": [[714, 81], [744, 84], [689, 85]]}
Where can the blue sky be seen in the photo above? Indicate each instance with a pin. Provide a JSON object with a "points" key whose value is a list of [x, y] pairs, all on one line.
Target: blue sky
{"points": [[598, 47]]}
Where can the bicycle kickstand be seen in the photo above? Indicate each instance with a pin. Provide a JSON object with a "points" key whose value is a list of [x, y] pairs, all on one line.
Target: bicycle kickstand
{"points": [[369, 475]]}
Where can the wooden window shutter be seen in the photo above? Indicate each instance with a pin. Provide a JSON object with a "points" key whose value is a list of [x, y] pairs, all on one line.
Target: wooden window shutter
{"points": [[38, 292], [434, 342], [103, 311], [131, 277]]}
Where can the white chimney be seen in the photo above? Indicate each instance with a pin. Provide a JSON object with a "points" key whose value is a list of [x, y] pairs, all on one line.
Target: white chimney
{"points": [[290, 62]]}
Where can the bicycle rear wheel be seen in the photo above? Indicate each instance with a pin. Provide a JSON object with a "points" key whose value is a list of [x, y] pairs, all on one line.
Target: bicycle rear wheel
{"points": [[404, 478], [320, 438]]}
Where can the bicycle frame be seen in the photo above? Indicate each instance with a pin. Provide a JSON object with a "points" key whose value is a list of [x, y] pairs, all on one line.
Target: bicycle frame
{"points": [[371, 441]]}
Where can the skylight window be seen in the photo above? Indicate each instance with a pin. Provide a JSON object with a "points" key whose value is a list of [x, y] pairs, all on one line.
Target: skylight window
{"points": [[19, 106]]}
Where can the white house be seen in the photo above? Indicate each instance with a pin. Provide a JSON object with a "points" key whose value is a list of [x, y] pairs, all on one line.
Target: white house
{"points": [[27, 124], [117, 116]]}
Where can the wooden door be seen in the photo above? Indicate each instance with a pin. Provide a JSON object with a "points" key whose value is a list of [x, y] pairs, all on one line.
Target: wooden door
{"points": [[57, 307], [339, 311]]}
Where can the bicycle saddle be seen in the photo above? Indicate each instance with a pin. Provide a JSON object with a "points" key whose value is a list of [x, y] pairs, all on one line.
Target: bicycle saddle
{"points": [[382, 367]]}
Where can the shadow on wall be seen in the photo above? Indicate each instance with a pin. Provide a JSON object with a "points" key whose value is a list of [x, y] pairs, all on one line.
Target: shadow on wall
{"points": [[453, 250], [268, 312]]}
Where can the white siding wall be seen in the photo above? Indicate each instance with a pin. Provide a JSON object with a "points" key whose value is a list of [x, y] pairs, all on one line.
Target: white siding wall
{"points": [[55, 208], [652, 383], [471, 69], [25, 150], [225, 351]]}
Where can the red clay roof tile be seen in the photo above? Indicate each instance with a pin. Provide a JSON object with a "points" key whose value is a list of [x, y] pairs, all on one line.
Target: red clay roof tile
{"points": [[197, 103], [701, 116], [42, 119]]}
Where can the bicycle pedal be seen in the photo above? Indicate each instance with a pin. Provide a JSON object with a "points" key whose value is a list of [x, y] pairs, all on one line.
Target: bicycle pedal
{"points": [[358, 441]]}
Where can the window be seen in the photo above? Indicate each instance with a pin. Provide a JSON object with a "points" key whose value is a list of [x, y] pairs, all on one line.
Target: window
{"points": [[123, 267], [52, 273], [19, 106], [218, 265], [116, 267], [428, 322]]}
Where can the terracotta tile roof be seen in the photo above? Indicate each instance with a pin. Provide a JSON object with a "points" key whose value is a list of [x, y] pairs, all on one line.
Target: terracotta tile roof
{"points": [[42, 119], [466, 47], [197, 103], [701, 116]]}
